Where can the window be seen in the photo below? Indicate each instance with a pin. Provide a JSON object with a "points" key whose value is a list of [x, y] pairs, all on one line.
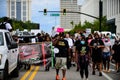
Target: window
{"points": [[12, 13], [1, 39], [24, 18], [24, 7], [9, 39], [24, 13], [24, 3], [119, 6], [18, 10], [12, 2], [12, 7]]}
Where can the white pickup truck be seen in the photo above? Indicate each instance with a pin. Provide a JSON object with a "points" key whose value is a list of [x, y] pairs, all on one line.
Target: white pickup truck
{"points": [[8, 56]]}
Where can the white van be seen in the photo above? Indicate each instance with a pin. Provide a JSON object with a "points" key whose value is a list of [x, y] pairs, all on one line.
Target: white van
{"points": [[8, 55]]}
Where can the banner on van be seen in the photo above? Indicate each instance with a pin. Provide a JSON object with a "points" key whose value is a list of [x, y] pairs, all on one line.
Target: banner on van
{"points": [[35, 53]]}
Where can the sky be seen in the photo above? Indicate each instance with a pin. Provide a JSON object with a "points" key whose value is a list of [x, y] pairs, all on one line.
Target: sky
{"points": [[46, 22]]}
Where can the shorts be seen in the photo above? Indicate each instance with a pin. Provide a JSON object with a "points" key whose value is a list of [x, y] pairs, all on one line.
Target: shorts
{"points": [[61, 63], [106, 54]]}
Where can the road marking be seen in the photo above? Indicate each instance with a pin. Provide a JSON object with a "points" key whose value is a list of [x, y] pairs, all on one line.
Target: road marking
{"points": [[112, 70], [112, 64], [106, 76], [34, 73], [27, 73]]}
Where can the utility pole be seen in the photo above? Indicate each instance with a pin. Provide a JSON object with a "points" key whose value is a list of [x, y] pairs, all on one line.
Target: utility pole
{"points": [[100, 14]]}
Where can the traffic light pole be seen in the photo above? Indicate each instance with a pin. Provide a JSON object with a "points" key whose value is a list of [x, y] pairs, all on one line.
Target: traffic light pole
{"points": [[100, 14], [99, 18], [74, 12]]}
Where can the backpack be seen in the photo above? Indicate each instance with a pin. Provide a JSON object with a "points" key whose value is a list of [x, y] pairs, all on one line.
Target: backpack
{"points": [[2, 25]]}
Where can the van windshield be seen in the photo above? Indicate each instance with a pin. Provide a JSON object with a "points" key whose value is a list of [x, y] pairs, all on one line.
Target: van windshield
{"points": [[1, 39]]}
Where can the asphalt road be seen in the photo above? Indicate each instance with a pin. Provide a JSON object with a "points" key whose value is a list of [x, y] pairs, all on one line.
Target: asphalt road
{"points": [[38, 73]]}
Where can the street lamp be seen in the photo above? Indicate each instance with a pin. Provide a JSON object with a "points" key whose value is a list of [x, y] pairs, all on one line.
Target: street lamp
{"points": [[100, 14]]}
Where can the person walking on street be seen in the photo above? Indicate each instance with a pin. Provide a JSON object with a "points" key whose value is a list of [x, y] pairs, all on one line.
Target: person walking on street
{"points": [[97, 46], [83, 58], [70, 43], [106, 54], [77, 42], [116, 54], [61, 56]]}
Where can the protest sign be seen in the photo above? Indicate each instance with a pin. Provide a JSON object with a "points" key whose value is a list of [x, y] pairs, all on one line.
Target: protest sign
{"points": [[35, 53]]}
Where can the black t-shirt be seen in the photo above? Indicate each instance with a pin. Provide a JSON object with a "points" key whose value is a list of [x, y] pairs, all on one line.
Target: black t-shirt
{"points": [[77, 44], [95, 43], [63, 46], [82, 49], [116, 48]]}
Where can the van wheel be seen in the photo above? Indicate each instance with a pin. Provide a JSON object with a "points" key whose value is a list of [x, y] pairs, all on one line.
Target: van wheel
{"points": [[5, 72]]}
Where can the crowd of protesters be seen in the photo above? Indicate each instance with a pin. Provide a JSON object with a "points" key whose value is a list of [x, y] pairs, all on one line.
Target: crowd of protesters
{"points": [[82, 51]]}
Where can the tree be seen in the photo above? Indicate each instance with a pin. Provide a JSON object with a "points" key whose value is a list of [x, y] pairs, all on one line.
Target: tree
{"points": [[94, 25], [72, 23]]}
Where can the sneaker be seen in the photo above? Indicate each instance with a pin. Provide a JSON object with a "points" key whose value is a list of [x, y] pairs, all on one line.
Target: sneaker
{"points": [[93, 73], [57, 77], [100, 74], [104, 70], [108, 71], [63, 78]]}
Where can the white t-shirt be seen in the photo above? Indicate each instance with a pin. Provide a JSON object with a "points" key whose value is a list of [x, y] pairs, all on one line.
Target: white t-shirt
{"points": [[70, 42], [107, 46], [8, 26]]}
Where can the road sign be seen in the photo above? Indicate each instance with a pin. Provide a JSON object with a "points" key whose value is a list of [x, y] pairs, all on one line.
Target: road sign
{"points": [[54, 14]]}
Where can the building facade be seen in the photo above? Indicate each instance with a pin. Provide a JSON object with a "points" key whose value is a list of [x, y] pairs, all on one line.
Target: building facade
{"points": [[90, 7], [111, 9], [113, 15], [69, 20], [19, 9]]}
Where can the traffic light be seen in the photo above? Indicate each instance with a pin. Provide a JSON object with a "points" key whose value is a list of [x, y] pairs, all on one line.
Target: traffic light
{"points": [[45, 11], [64, 11]]}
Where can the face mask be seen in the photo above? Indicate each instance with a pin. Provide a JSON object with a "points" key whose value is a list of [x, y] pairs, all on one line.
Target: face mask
{"points": [[109, 36], [82, 42]]}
